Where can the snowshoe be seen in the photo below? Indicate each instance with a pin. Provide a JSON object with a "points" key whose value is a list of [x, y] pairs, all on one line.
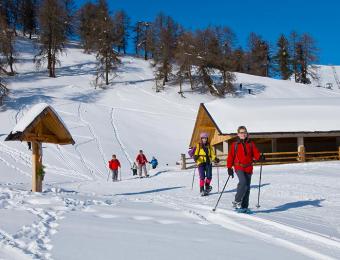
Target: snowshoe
{"points": [[244, 211]]}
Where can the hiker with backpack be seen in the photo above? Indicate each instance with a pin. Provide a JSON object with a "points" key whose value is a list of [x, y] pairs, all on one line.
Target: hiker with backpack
{"points": [[241, 155], [114, 166], [204, 156], [141, 163]]}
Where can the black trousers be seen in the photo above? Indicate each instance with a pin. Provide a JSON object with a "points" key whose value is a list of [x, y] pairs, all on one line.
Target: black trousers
{"points": [[243, 188]]}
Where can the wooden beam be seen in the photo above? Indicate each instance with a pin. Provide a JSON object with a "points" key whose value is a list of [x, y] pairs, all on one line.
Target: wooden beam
{"points": [[301, 153], [36, 165], [41, 138]]}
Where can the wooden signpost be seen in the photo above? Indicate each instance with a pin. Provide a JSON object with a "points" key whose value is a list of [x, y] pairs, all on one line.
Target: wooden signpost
{"points": [[41, 124]]}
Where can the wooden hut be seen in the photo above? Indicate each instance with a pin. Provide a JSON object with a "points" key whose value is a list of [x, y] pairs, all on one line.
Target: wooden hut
{"points": [[41, 124], [286, 130]]}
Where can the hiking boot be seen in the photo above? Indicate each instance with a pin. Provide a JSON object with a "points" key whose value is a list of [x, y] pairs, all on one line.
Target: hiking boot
{"points": [[208, 188], [236, 205], [202, 191]]}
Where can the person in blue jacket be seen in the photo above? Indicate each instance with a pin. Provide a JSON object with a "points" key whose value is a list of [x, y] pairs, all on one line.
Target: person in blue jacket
{"points": [[154, 162]]}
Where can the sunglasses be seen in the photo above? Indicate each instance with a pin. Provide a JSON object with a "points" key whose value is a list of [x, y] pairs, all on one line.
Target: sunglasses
{"points": [[243, 133]]}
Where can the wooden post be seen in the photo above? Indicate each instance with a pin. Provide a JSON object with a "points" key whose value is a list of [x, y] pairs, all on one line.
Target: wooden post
{"points": [[274, 145], [36, 166], [184, 163], [301, 153], [339, 152]]}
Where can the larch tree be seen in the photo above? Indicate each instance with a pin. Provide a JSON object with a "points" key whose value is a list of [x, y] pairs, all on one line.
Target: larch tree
{"points": [[107, 56], [166, 32], [28, 17], [282, 58], [121, 23], [87, 26], [55, 20], [259, 56]]}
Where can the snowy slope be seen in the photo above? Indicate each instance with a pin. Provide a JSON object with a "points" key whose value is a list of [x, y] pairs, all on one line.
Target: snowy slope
{"points": [[82, 216]]}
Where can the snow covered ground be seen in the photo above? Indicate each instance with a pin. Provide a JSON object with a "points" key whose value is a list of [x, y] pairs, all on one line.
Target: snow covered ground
{"points": [[80, 215]]}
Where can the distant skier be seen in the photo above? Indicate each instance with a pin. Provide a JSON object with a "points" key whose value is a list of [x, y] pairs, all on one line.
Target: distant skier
{"points": [[204, 156], [141, 162], [241, 155], [154, 162], [134, 169], [114, 165]]}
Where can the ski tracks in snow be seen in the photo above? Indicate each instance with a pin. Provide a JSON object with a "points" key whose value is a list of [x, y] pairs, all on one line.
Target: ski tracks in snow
{"points": [[116, 133], [267, 230]]}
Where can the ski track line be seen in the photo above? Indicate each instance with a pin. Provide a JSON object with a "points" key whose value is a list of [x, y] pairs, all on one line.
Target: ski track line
{"points": [[90, 166], [24, 160], [14, 167], [100, 148], [146, 112], [306, 234], [116, 133], [71, 164], [204, 212]]}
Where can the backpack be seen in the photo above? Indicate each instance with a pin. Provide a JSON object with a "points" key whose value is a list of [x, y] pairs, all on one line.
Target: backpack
{"points": [[192, 151]]}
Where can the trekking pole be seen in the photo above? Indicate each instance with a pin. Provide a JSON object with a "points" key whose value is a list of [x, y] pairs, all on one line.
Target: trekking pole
{"points": [[218, 179], [258, 195], [225, 185], [120, 174], [193, 179], [108, 176]]}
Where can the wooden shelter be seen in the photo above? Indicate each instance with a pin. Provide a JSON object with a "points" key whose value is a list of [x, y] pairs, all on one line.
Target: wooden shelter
{"points": [[286, 130], [41, 124]]}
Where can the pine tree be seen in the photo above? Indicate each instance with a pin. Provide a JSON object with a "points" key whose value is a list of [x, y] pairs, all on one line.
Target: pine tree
{"points": [[294, 38], [28, 17], [166, 32], [238, 60], [107, 57], [224, 64], [282, 58], [144, 39], [184, 57], [55, 19], [121, 23], [305, 53], [7, 40], [87, 16], [259, 55]]}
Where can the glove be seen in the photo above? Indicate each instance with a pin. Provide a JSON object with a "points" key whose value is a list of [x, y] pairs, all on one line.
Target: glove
{"points": [[231, 172], [217, 160], [262, 158], [195, 158]]}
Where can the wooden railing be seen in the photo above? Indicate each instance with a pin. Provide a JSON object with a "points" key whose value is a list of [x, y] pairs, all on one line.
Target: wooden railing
{"points": [[273, 158]]}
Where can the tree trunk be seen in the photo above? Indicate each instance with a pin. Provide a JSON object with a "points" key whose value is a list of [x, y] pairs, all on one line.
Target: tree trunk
{"points": [[106, 72], [191, 79]]}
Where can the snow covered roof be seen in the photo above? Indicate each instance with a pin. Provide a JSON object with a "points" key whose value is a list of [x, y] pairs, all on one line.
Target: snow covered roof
{"points": [[275, 115], [41, 123], [29, 117]]}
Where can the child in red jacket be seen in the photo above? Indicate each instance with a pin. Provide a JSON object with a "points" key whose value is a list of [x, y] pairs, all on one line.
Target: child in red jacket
{"points": [[114, 165]]}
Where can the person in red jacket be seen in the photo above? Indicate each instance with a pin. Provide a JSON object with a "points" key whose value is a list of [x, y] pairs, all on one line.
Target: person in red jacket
{"points": [[141, 162], [114, 165], [241, 155]]}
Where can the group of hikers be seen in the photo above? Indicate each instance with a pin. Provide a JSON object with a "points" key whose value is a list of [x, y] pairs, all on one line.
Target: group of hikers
{"points": [[242, 153], [138, 166]]}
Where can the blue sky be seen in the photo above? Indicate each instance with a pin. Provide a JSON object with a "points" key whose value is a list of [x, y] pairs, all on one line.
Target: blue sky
{"points": [[267, 18]]}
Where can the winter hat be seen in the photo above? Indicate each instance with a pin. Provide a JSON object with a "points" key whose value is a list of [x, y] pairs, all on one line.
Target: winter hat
{"points": [[204, 135]]}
